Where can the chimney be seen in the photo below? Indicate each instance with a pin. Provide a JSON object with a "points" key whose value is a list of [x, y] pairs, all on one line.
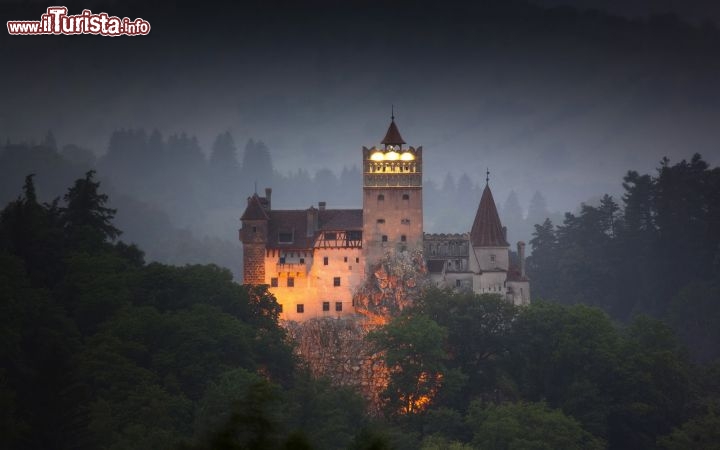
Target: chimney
{"points": [[321, 205], [521, 257], [312, 221], [268, 195]]}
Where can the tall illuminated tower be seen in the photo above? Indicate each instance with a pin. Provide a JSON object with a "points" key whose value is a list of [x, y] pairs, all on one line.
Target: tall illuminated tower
{"points": [[392, 197]]}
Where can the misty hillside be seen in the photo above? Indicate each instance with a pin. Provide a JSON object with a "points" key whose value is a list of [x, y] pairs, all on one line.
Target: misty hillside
{"points": [[557, 100]]}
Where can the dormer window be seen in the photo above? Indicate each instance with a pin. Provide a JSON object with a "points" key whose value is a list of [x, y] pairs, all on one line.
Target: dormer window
{"points": [[285, 237]]}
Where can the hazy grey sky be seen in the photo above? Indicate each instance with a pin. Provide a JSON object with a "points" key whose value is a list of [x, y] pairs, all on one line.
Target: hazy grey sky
{"points": [[560, 101]]}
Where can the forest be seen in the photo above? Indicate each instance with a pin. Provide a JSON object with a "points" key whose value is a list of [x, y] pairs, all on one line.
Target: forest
{"points": [[104, 350], [123, 321]]}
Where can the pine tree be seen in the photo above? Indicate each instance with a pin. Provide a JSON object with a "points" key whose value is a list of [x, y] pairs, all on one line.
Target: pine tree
{"points": [[86, 220]]}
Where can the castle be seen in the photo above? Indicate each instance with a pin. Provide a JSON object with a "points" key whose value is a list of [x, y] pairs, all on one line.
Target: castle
{"points": [[314, 259]]}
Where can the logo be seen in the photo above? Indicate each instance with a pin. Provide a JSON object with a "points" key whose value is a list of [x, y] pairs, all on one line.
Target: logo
{"points": [[57, 21]]}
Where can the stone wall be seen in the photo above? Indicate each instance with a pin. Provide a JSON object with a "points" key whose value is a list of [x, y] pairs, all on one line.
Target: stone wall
{"points": [[254, 264]]}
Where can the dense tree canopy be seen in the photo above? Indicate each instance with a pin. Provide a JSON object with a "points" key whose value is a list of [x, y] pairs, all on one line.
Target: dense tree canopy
{"points": [[657, 253]]}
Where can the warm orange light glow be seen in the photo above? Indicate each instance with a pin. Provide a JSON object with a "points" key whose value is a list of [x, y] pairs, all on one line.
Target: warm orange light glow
{"points": [[392, 156], [377, 156], [407, 156], [416, 403]]}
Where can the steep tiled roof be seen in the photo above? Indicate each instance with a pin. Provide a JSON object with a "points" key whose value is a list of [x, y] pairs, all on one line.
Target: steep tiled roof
{"points": [[341, 219], [393, 135], [295, 221], [487, 231], [254, 210], [513, 274], [289, 221]]}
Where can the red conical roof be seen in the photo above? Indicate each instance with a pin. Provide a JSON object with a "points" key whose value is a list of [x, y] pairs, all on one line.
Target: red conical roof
{"points": [[392, 137], [254, 210], [487, 231]]}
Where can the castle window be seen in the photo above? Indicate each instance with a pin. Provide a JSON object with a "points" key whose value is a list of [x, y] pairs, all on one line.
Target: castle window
{"points": [[326, 306], [357, 260], [285, 237], [325, 261], [330, 236], [300, 308], [254, 228], [302, 260], [403, 238], [338, 306], [384, 238], [336, 281], [381, 221], [381, 197], [354, 235], [282, 260], [291, 282], [274, 282], [405, 221], [492, 258], [406, 197], [345, 259], [458, 283]]}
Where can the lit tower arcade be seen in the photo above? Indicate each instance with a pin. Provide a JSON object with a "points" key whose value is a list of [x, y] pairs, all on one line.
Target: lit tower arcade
{"points": [[392, 197]]}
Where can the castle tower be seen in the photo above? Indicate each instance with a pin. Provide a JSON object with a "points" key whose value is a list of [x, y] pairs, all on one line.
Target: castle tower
{"points": [[254, 236], [489, 254], [392, 197]]}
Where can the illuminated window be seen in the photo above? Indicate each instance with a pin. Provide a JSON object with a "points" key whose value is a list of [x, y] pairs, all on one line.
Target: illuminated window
{"points": [[384, 238], [300, 308], [274, 282], [338, 306], [336, 281], [403, 238], [326, 306], [325, 261], [291, 282]]}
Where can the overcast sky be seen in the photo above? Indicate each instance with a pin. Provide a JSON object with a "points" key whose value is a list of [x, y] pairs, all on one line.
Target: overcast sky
{"points": [[557, 100]]}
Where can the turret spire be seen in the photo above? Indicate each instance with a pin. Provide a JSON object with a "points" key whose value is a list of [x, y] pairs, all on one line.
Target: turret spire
{"points": [[392, 137], [487, 231]]}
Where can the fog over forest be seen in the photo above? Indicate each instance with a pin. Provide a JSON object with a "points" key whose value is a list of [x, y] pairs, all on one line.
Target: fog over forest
{"points": [[560, 102], [126, 163]]}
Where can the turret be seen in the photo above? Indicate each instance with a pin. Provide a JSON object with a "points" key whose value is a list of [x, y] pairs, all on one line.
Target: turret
{"points": [[254, 237]]}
